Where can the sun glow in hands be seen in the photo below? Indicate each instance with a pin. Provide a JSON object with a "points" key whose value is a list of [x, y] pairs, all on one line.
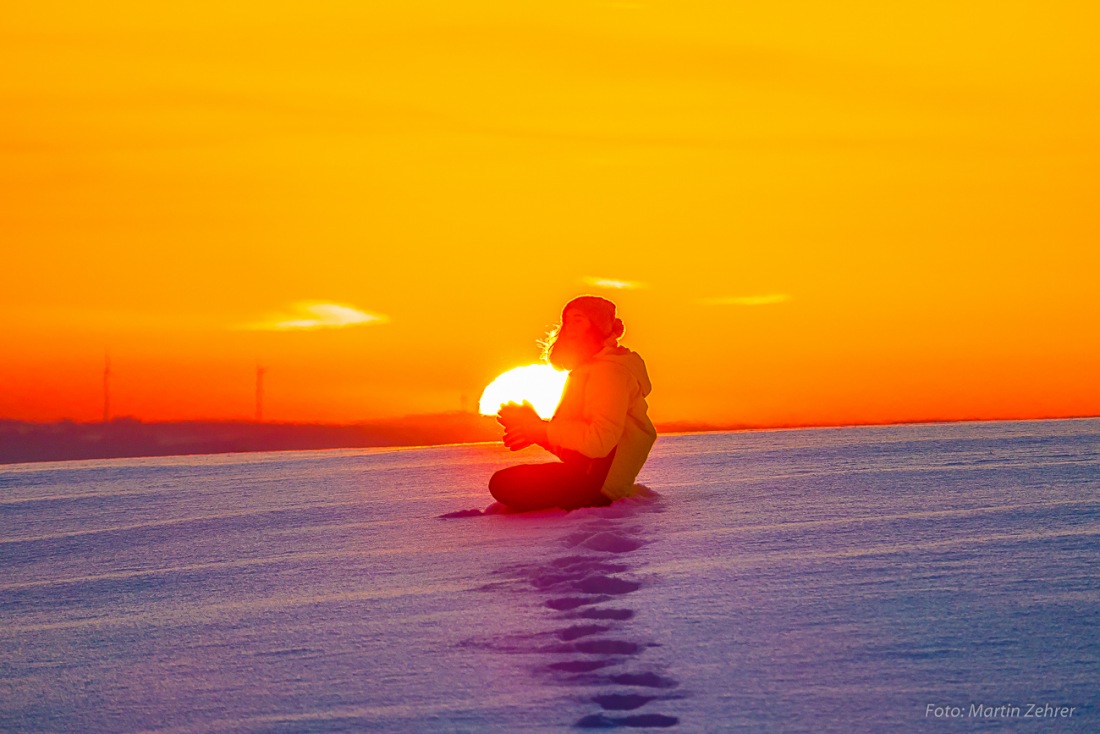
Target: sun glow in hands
{"points": [[522, 400], [538, 384]]}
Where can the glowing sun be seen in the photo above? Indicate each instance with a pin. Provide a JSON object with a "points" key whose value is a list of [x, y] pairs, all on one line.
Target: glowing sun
{"points": [[539, 384]]}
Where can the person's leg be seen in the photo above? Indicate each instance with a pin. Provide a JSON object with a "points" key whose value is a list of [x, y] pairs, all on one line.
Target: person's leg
{"points": [[591, 475], [528, 487], [568, 484]]}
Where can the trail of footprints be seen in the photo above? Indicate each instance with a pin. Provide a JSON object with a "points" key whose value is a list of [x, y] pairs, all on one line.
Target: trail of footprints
{"points": [[588, 591]]}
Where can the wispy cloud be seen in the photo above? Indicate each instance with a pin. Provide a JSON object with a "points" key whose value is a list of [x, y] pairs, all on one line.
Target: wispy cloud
{"points": [[308, 315], [762, 300], [613, 283]]}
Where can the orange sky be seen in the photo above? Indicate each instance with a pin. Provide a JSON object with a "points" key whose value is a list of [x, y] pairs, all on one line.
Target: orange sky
{"points": [[842, 211]]}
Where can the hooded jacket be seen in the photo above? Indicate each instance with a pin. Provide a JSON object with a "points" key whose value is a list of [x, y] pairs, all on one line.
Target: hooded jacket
{"points": [[602, 408]]}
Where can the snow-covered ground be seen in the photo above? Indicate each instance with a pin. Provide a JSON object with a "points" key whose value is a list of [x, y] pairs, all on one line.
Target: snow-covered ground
{"points": [[839, 580]]}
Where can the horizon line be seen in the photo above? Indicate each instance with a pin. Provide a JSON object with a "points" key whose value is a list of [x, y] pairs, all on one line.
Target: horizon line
{"points": [[669, 426]]}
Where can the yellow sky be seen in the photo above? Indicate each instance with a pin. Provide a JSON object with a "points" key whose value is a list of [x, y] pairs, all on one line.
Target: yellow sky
{"points": [[829, 211]]}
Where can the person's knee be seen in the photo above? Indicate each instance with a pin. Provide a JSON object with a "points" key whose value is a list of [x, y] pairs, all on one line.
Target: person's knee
{"points": [[499, 486]]}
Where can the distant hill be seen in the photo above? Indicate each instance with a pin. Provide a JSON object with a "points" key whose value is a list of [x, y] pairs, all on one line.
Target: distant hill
{"points": [[130, 437]]}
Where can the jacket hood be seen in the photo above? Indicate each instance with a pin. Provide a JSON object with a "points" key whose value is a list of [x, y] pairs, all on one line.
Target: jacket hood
{"points": [[631, 360]]}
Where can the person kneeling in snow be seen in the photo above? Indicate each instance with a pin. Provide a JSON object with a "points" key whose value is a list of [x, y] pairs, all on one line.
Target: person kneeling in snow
{"points": [[601, 430]]}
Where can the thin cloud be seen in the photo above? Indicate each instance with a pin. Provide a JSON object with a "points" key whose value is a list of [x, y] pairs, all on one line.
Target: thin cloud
{"points": [[309, 315], [613, 283], [763, 300]]}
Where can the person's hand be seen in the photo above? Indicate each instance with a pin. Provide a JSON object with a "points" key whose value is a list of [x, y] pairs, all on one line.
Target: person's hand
{"points": [[522, 426], [513, 414], [517, 439]]}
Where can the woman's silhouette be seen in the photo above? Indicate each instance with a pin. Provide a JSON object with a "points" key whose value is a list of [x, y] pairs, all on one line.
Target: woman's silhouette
{"points": [[601, 430]]}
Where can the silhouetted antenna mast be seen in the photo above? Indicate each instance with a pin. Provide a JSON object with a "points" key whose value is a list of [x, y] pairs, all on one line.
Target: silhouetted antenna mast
{"points": [[106, 386], [260, 393]]}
